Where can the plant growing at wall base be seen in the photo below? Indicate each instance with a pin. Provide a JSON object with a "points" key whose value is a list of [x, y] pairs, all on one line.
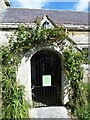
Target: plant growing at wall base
{"points": [[77, 92], [14, 103]]}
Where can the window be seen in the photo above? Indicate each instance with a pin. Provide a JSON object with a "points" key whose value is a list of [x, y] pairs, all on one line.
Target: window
{"points": [[45, 24]]}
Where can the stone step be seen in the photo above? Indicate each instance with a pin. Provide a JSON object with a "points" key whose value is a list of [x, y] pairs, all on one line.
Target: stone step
{"points": [[49, 112]]}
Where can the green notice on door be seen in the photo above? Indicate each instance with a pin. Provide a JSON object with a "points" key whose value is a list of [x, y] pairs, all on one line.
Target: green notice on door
{"points": [[46, 80]]}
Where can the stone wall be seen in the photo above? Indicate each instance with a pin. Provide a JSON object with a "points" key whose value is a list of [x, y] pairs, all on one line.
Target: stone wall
{"points": [[86, 77], [4, 36], [2, 6], [80, 37]]}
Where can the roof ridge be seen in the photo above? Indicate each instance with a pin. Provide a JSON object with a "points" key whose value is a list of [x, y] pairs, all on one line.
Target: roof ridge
{"points": [[50, 10]]}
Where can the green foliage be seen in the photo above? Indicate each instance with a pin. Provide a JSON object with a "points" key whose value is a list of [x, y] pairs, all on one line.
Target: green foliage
{"points": [[26, 38], [77, 91], [86, 54], [23, 39], [14, 103]]}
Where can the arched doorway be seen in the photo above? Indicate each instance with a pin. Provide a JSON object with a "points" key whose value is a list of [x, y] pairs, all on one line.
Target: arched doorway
{"points": [[46, 78]]}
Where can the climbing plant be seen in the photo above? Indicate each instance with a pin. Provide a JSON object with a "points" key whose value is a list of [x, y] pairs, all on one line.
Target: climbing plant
{"points": [[77, 92], [25, 38]]}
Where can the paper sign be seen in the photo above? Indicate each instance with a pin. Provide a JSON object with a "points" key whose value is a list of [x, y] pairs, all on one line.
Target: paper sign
{"points": [[46, 80]]}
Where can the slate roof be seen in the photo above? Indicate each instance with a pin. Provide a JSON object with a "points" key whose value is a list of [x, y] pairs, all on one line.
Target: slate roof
{"points": [[22, 15]]}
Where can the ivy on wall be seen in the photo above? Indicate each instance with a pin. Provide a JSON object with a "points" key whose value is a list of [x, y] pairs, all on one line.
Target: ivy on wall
{"points": [[77, 92], [25, 38]]}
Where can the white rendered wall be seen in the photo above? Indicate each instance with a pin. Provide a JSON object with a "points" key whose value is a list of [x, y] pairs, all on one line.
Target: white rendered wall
{"points": [[4, 36]]}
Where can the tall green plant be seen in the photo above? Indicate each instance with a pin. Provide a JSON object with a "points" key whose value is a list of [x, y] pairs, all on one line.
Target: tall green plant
{"points": [[77, 92], [14, 103]]}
